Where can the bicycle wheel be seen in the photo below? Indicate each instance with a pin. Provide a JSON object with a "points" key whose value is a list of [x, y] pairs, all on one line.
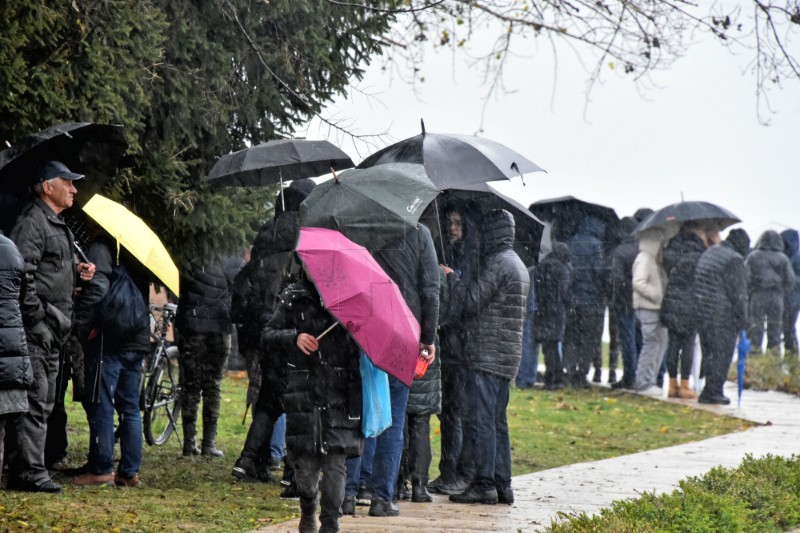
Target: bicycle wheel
{"points": [[162, 407]]}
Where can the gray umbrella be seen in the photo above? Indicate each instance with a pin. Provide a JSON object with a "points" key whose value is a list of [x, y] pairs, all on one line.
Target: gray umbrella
{"points": [[278, 161], [372, 206], [681, 212]]}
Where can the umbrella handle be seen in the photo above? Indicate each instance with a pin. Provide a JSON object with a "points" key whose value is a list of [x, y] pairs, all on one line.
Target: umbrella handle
{"points": [[439, 222], [327, 330]]}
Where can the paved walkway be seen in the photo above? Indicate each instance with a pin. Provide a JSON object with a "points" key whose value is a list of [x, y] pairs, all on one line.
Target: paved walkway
{"points": [[592, 486]]}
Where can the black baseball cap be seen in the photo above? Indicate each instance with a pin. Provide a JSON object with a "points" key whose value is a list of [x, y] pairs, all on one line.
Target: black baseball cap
{"points": [[56, 169]]}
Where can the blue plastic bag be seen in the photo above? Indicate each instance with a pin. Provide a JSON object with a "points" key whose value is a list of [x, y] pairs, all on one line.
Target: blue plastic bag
{"points": [[376, 413]]}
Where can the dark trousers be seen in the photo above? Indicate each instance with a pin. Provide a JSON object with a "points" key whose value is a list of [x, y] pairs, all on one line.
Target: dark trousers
{"points": [[27, 462], [329, 489], [680, 352], [766, 305], [359, 469], [629, 349], [202, 361], [717, 345], [266, 412], [614, 342], [583, 338], [488, 400], [554, 368], [418, 453], [56, 443], [457, 459], [790, 311], [6, 420]]}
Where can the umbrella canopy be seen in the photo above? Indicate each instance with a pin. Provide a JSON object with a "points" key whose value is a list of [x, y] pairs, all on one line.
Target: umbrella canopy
{"points": [[568, 211], [276, 161], [686, 211], [131, 232], [372, 206], [363, 298], [453, 161]]}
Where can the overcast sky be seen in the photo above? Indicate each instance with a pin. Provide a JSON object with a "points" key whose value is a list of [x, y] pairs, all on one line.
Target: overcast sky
{"points": [[696, 133]]}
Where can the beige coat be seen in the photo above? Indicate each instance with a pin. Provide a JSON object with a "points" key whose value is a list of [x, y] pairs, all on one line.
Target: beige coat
{"points": [[649, 279]]}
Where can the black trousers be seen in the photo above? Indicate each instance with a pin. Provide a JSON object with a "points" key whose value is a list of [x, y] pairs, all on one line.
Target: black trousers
{"points": [[56, 443], [328, 490], [680, 352], [583, 338], [717, 345], [457, 459]]}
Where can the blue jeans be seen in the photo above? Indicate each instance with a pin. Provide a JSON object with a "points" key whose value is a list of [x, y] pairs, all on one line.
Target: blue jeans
{"points": [[626, 324], [389, 444], [120, 376], [277, 443], [488, 397], [359, 469], [529, 364]]}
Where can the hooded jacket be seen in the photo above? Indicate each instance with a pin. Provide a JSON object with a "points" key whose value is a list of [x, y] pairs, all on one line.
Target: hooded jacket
{"points": [[323, 396], [588, 265], [680, 258], [15, 366], [720, 288], [649, 279], [552, 282], [205, 303], [768, 267], [493, 302], [791, 247]]}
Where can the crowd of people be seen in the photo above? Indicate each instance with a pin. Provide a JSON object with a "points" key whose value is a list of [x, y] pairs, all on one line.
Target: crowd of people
{"points": [[483, 316]]}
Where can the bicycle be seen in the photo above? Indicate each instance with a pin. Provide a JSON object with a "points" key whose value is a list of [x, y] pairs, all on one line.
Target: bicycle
{"points": [[161, 392]]}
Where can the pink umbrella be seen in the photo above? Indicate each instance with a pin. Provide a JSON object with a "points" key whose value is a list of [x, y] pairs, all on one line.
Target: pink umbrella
{"points": [[356, 290]]}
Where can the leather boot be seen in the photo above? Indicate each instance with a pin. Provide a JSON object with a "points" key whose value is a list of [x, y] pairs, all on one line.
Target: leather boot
{"points": [[189, 433], [419, 493], [209, 439], [673, 388], [684, 392]]}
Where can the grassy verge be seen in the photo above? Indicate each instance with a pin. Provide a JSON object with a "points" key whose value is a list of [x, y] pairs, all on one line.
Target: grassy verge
{"points": [[760, 495], [197, 494]]}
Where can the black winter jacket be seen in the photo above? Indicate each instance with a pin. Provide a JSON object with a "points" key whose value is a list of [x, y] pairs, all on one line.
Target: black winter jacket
{"points": [[791, 244], [679, 258], [46, 245], [768, 268], [720, 289], [15, 366], [102, 252], [588, 266], [493, 302], [620, 272], [552, 281], [411, 263], [323, 395], [205, 303]]}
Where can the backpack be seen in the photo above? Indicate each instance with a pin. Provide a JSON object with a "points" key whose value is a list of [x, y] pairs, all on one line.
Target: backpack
{"points": [[122, 313]]}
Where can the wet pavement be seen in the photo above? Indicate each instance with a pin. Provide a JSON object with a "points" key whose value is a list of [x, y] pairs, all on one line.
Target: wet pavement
{"points": [[540, 497]]}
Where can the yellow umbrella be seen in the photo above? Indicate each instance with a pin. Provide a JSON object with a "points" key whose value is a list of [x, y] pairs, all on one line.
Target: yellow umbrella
{"points": [[131, 232]]}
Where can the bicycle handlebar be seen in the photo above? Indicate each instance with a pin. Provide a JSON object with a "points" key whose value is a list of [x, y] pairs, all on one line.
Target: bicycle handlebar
{"points": [[167, 308]]}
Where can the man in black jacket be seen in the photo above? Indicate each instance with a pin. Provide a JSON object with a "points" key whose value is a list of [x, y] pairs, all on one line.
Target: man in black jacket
{"points": [[112, 371], [720, 291], [46, 245], [493, 305]]}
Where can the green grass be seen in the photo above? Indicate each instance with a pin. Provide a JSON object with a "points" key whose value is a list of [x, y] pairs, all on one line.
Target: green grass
{"points": [[548, 429]]}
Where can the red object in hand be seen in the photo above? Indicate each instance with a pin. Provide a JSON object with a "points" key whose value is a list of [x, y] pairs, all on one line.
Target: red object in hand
{"points": [[422, 365]]}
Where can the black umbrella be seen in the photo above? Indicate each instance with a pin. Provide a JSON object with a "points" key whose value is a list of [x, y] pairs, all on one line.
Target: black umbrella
{"points": [[91, 149], [372, 206], [454, 161], [277, 161], [685, 211], [567, 212]]}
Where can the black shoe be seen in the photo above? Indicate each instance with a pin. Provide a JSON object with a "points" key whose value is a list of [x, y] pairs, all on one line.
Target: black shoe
{"points": [[505, 495], [273, 464], [660, 380], [190, 449], [473, 495], [401, 492], [457, 487], [715, 399], [380, 507], [598, 376], [622, 384], [364, 496], [349, 505], [48, 486], [419, 494], [245, 470], [290, 492], [211, 450], [612, 377]]}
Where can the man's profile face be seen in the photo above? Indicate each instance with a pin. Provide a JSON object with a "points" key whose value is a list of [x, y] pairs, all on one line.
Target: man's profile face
{"points": [[59, 193], [455, 226]]}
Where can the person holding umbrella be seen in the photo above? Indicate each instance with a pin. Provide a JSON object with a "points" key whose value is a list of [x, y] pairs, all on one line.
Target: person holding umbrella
{"points": [[51, 271]]}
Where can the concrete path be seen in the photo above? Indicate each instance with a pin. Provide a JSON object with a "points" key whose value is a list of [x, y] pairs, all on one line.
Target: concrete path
{"points": [[591, 486]]}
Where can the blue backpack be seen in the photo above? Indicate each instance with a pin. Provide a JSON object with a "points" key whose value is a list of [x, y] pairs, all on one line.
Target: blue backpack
{"points": [[122, 313]]}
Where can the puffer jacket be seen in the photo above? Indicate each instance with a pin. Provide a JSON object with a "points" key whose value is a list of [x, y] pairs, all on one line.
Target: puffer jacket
{"points": [[15, 366], [323, 396], [680, 258], [768, 268], [205, 303], [720, 289], [649, 279], [791, 243], [552, 281], [102, 252], [46, 245], [588, 266], [493, 302]]}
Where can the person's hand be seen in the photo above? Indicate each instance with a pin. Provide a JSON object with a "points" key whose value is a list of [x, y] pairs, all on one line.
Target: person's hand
{"points": [[86, 271], [431, 348], [307, 343], [446, 269]]}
